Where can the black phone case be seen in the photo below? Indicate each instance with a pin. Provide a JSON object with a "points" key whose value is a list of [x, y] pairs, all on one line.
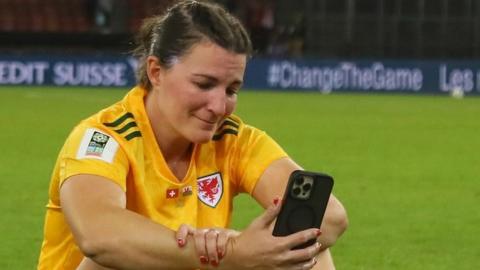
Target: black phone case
{"points": [[304, 203]]}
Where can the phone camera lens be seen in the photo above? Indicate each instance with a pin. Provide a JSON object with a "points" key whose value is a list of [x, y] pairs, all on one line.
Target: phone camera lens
{"points": [[296, 191], [307, 187], [299, 181]]}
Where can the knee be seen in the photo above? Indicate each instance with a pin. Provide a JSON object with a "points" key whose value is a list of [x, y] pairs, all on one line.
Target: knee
{"points": [[335, 221]]}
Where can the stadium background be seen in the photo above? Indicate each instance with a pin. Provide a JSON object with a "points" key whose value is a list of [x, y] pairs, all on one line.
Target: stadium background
{"points": [[405, 161]]}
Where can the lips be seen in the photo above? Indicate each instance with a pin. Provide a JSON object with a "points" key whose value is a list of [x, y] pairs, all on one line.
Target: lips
{"points": [[209, 123]]}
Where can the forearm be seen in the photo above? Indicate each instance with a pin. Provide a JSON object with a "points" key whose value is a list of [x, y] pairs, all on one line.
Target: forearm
{"points": [[122, 239], [114, 237]]}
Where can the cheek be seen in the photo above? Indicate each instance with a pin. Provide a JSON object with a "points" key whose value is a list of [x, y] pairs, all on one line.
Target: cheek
{"points": [[178, 95], [230, 106]]}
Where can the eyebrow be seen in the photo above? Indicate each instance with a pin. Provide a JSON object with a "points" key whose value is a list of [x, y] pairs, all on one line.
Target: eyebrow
{"points": [[239, 82]]}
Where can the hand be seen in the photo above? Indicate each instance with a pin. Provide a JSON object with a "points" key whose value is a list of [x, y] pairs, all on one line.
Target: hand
{"points": [[256, 248], [210, 243]]}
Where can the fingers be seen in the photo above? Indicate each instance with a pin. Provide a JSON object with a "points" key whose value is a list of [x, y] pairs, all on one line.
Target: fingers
{"points": [[211, 245], [301, 237], [183, 231], [223, 237], [222, 243], [200, 246], [203, 240], [302, 258], [302, 255]]}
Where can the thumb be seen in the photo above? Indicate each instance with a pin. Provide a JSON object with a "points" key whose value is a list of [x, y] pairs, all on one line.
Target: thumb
{"points": [[269, 215], [183, 231]]}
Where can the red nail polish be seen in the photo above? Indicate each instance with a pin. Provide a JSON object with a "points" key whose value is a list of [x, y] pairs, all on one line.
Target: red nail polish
{"points": [[276, 201], [180, 242], [220, 255], [319, 233], [203, 259], [214, 263]]}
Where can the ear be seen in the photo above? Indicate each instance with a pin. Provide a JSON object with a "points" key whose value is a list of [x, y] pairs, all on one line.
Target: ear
{"points": [[154, 70]]}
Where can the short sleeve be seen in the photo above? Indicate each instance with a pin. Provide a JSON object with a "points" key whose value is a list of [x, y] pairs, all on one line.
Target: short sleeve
{"points": [[91, 150], [254, 152]]}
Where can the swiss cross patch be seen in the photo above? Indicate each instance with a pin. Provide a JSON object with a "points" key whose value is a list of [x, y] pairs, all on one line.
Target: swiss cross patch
{"points": [[210, 189], [172, 193]]}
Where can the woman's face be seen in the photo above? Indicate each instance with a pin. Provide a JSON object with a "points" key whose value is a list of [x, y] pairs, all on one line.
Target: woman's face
{"points": [[198, 91]]}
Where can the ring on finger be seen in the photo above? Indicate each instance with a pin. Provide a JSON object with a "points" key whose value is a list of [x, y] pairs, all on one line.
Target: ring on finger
{"points": [[213, 230]]}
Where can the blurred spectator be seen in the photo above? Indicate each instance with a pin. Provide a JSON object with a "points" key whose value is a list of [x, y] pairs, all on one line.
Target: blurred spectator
{"points": [[288, 40], [268, 38], [278, 46], [260, 22], [110, 16], [296, 34]]}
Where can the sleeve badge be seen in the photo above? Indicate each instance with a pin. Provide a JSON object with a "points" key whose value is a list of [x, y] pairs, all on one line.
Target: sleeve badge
{"points": [[97, 145]]}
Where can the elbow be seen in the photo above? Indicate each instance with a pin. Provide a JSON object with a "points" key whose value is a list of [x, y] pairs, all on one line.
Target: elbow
{"points": [[97, 248], [341, 221], [335, 222], [339, 218], [91, 247]]}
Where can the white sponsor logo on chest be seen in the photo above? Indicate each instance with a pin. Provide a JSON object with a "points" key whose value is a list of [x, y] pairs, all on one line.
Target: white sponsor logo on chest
{"points": [[210, 189]]}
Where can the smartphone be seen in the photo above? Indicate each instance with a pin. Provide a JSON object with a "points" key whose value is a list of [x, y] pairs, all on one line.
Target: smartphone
{"points": [[304, 203]]}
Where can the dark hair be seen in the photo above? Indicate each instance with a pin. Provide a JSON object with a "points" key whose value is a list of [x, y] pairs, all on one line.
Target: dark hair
{"points": [[186, 23]]}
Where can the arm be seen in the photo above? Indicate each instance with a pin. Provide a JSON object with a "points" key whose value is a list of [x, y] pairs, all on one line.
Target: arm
{"points": [[112, 236], [335, 220]]}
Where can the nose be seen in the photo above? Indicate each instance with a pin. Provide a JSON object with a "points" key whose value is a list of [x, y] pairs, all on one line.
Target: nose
{"points": [[217, 102]]}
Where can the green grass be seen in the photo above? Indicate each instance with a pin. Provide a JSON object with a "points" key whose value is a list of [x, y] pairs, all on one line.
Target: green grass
{"points": [[406, 168]]}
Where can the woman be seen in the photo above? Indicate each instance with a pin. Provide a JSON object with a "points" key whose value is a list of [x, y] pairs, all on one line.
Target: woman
{"points": [[148, 183]]}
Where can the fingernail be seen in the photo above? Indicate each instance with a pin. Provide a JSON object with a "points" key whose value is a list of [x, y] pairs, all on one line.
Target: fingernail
{"points": [[220, 255], [214, 263], [318, 232], [275, 201], [203, 259], [180, 242]]}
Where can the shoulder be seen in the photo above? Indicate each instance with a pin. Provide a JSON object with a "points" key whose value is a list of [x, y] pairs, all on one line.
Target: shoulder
{"points": [[121, 119], [117, 123], [231, 126], [234, 131], [122, 124]]}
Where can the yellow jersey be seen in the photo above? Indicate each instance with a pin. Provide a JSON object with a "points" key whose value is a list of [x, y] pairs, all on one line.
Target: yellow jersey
{"points": [[118, 143]]}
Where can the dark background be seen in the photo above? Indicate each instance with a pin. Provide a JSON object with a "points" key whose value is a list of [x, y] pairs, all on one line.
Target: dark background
{"points": [[420, 29]]}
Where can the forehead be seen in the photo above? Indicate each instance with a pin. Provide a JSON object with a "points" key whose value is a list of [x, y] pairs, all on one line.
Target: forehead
{"points": [[209, 57]]}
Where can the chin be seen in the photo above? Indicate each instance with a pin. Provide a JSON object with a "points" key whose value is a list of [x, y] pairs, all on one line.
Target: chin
{"points": [[201, 141], [202, 138]]}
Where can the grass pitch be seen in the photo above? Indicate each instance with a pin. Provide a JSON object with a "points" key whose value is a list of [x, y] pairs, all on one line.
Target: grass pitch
{"points": [[406, 168]]}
